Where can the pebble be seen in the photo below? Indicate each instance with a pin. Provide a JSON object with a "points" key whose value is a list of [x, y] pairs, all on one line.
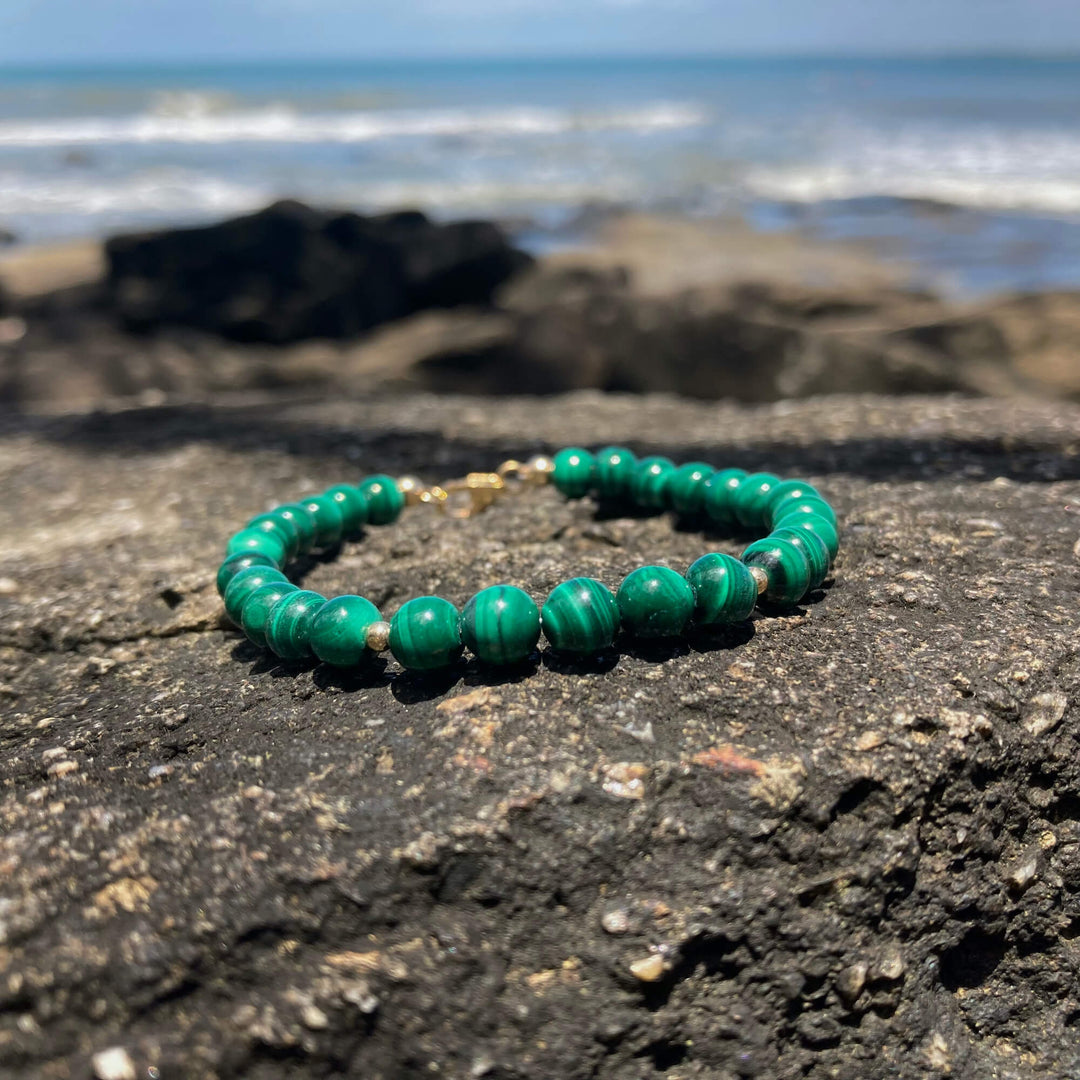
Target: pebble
{"points": [[1044, 712], [850, 982], [1024, 872], [616, 921], [648, 969], [890, 967], [314, 1018], [114, 1064]]}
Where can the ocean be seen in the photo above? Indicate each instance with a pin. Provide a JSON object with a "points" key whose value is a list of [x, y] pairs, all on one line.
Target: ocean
{"points": [[966, 169]]}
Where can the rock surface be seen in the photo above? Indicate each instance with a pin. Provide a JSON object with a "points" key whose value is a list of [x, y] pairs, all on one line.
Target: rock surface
{"points": [[824, 845], [291, 272]]}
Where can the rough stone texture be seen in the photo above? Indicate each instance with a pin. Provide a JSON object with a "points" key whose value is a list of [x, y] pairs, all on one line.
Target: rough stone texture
{"points": [[826, 845]]}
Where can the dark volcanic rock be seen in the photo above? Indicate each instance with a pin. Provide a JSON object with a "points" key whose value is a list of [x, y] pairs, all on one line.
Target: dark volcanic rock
{"points": [[840, 843], [290, 272]]}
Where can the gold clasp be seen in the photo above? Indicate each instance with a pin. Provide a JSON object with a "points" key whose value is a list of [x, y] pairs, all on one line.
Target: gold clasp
{"points": [[482, 488]]}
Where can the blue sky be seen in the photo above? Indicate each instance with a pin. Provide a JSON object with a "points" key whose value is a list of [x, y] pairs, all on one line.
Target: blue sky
{"points": [[152, 30]]}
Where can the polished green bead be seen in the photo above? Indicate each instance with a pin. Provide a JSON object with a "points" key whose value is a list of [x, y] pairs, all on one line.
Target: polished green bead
{"points": [[720, 489], [750, 498], [251, 540], [425, 633], [385, 501], [819, 526], [655, 602], [307, 528], [288, 627], [812, 546], [686, 487], [580, 616], [787, 491], [339, 630], [280, 526], [786, 567], [724, 590], [573, 472], [255, 614], [650, 482], [244, 584], [810, 505], [615, 467], [501, 625], [233, 564], [353, 506], [329, 525]]}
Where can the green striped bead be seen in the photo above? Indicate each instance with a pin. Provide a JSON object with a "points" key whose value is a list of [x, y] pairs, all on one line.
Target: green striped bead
{"points": [[810, 505], [256, 540], [819, 526], [686, 487], [328, 521], [615, 467], [306, 528], [812, 546], [339, 630], [385, 501], [353, 507], [573, 472], [501, 625], [750, 498], [787, 491], [425, 633], [724, 590], [655, 602], [284, 528], [288, 627], [256, 610], [650, 482], [720, 489], [233, 564], [244, 584], [786, 567], [580, 616]]}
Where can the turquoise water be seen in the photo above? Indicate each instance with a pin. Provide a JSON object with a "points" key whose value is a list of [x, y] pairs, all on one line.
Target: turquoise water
{"points": [[968, 167]]}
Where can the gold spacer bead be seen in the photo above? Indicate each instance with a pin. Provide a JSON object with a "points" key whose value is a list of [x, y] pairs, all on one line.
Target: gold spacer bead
{"points": [[377, 638], [538, 470], [762, 578], [412, 488]]}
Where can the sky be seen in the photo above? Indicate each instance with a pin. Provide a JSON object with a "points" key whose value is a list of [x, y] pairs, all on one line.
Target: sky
{"points": [[92, 31]]}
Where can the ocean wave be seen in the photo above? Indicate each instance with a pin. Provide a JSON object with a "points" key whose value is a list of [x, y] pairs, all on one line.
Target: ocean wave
{"points": [[198, 124]]}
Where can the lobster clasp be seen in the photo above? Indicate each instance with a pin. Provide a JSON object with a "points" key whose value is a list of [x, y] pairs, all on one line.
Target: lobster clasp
{"points": [[481, 489]]}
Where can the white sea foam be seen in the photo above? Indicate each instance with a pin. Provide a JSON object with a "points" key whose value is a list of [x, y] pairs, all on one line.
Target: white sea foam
{"points": [[193, 122]]}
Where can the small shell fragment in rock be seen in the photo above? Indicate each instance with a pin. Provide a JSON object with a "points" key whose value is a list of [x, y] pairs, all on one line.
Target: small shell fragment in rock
{"points": [[616, 921], [1044, 712]]}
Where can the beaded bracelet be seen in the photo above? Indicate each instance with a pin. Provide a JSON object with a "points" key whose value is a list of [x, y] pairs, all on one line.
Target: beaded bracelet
{"points": [[501, 625]]}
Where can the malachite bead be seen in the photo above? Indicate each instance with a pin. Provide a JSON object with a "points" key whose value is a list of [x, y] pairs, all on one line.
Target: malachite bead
{"points": [[655, 602], [574, 472], [353, 506], [501, 625], [244, 584], [280, 526], [385, 501], [819, 526], [650, 482], [288, 627], [786, 567], [810, 505], [724, 590], [233, 564], [720, 489], [306, 528], [615, 467], [580, 616], [686, 487], [425, 633], [812, 546], [750, 498], [256, 611], [250, 540], [329, 525], [339, 630], [787, 491]]}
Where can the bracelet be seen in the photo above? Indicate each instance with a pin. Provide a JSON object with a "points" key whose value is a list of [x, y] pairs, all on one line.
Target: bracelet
{"points": [[502, 625]]}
